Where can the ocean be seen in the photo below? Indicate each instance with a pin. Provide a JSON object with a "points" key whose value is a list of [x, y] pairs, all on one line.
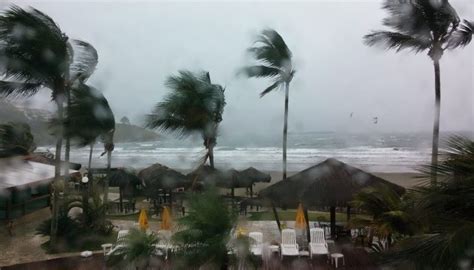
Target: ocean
{"points": [[402, 152]]}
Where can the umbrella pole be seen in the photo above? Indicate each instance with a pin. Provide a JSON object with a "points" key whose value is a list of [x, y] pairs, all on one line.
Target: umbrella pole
{"points": [[171, 200], [277, 219], [348, 213], [308, 236], [121, 199], [333, 221]]}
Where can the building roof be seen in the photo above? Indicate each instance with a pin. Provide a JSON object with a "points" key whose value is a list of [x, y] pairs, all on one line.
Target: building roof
{"points": [[18, 172]]}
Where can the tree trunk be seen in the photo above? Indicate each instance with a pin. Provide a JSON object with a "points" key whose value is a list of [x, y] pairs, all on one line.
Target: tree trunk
{"points": [[67, 149], [57, 174], [121, 199], [106, 180], [277, 219], [285, 128], [91, 178], [434, 151], [211, 155], [348, 213], [306, 217], [332, 209]]}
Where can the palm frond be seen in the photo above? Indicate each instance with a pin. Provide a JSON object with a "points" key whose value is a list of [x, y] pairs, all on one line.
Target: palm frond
{"points": [[193, 105], [462, 36], [397, 41], [270, 88], [33, 48], [421, 18], [88, 116], [270, 49], [18, 89], [261, 71], [84, 62], [16, 139]]}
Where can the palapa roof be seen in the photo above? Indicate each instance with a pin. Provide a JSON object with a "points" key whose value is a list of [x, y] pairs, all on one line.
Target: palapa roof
{"points": [[228, 179], [160, 176], [329, 183], [123, 177]]}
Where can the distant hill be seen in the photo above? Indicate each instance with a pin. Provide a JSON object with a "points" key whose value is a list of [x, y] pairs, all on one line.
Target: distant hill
{"points": [[38, 121]]}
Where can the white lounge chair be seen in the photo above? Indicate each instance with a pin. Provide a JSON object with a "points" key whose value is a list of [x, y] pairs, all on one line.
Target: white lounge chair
{"points": [[164, 244], [288, 246], [120, 241], [318, 244], [257, 243]]}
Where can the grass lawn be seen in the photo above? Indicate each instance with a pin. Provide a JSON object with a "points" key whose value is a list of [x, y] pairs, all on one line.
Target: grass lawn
{"points": [[289, 215]]}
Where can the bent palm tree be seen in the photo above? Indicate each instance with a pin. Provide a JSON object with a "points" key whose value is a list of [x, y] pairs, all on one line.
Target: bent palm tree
{"points": [[423, 25], [16, 139], [84, 62], [36, 54], [194, 105], [88, 117], [274, 61]]}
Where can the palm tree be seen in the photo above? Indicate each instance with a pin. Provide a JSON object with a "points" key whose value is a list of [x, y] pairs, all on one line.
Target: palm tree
{"points": [[16, 139], [390, 212], [88, 117], [206, 231], [36, 54], [136, 250], [85, 59], [274, 61], [423, 25], [195, 105], [447, 210]]}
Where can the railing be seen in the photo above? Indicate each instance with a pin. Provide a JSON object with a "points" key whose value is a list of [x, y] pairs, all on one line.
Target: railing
{"points": [[9, 207]]}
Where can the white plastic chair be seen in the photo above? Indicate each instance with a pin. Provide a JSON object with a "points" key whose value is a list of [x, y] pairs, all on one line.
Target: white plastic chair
{"points": [[288, 246], [164, 244], [257, 243], [318, 244], [120, 241]]}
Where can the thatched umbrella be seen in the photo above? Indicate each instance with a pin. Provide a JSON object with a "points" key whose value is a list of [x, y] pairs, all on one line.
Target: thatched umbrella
{"points": [[124, 179], [330, 183], [162, 177], [158, 177], [251, 176]]}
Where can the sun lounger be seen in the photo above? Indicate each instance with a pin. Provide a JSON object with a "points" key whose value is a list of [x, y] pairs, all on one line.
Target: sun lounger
{"points": [[257, 243], [317, 245], [120, 241], [288, 246]]}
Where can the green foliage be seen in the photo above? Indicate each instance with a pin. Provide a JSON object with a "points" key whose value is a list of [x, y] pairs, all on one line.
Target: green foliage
{"points": [[273, 60], [16, 139], [194, 105], [389, 212], [421, 25], [205, 230], [35, 52], [446, 209], [137, 249], [88, 116]]}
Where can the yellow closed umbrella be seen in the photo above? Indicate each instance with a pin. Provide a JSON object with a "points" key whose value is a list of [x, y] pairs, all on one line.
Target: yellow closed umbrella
{"points": [[300, 220], [143, 220], [165, 219]]}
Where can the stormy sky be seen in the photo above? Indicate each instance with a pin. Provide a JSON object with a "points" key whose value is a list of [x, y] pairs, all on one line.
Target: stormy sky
{"points": [[141, 43]]}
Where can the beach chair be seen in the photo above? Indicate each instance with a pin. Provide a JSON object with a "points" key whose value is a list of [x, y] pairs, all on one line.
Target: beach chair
{"points": [[257, 243], [317, 245], [164, 245], [288, 246], [120, 243]]}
